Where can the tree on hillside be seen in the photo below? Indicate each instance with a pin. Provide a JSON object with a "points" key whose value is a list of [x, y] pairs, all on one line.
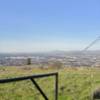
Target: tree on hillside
{"points": [[28, 61]]}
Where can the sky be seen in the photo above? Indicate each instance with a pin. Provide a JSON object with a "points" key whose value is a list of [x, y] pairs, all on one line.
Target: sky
{"points": [[48, 25]]}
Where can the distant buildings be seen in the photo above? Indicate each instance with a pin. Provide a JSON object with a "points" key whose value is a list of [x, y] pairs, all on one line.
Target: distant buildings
{"points": [[68, 59]]}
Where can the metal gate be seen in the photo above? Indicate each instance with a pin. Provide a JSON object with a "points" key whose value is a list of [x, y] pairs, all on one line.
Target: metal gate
{"points": [[32, 78]]}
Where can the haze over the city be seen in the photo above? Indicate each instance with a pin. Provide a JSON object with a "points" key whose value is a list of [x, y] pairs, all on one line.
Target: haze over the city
{"points": [[42, 25]]}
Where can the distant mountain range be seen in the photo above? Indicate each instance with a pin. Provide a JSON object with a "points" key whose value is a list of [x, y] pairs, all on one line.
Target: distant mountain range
{"points": [[50, 53]]}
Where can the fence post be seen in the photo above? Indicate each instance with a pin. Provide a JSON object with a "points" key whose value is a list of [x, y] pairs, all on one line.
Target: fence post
{"points": [[56, 87]]}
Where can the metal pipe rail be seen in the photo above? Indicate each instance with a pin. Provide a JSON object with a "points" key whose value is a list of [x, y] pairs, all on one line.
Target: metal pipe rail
{"points": [[2, 81]]}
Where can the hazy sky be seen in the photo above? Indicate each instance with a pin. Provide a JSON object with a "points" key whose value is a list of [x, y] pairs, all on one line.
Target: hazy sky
{"points": [[46, 25]]}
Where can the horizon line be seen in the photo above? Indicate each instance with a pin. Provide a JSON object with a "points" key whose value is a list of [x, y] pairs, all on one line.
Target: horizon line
{"points": [[45, 51]]}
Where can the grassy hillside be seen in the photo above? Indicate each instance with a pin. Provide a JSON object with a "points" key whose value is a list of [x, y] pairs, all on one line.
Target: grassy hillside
{"points": [[74, 83]]}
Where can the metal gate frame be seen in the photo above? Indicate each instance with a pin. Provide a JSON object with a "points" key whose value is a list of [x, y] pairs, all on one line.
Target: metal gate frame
{"points": [[32, 78]]}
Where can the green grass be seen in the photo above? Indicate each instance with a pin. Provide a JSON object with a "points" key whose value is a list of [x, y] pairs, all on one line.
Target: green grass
{"points": [[74, 83]]}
